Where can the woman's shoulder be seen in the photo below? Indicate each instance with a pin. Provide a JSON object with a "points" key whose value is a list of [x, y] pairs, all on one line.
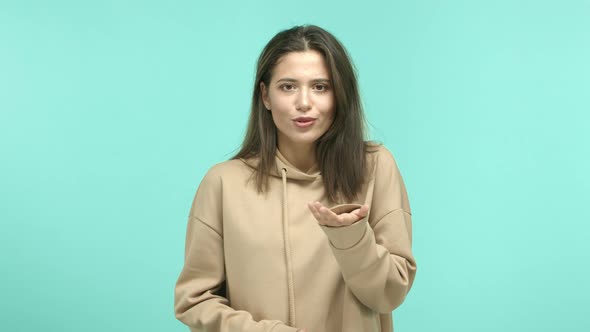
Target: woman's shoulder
{"points": [[224, 171], [377, 150], [379, 156], [228, 169]]}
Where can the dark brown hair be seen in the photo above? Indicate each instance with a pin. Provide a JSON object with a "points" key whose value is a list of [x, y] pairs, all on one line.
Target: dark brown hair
{"points": [[340, 152]]}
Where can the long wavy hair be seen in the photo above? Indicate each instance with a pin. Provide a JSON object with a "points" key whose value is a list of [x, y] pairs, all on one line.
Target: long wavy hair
{"points": [[340, 152]]}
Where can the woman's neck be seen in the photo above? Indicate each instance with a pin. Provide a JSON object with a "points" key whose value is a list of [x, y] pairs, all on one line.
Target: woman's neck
{"points": [[301, 156]]}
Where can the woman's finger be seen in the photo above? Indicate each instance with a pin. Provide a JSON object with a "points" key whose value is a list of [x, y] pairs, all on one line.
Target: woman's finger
{"points": [[313, 210], [362, 211], [330, 215]]}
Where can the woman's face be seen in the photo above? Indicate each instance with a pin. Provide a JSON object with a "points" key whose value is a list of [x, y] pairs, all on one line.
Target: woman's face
{"points": [[300, 98]]}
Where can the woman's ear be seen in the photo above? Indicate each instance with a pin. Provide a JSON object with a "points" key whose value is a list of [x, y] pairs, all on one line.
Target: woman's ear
{"points": [[264, 96]]}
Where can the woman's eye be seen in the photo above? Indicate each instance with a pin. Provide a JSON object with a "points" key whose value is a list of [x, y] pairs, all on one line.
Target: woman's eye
{"points": [[321, 87], [287, 87]]}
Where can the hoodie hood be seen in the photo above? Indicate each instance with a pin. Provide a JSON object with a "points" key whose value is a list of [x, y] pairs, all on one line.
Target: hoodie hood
{"points": [[292, 172]]}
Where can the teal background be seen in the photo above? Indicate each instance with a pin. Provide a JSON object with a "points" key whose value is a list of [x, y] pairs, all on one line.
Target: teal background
{"points": [[112, 111]]}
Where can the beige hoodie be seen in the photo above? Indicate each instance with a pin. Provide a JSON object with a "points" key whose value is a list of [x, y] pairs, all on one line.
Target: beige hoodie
{"points": [[261, 262]]}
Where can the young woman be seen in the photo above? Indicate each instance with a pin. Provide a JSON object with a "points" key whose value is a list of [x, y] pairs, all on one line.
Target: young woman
{"points": [[308, 227]]}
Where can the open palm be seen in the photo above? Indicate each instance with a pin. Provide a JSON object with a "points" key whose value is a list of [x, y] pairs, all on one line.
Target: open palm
{"points": [[327, 217]]}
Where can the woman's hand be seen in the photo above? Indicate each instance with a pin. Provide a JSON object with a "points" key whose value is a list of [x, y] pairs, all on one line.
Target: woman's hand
{"points": [[326, 217]]}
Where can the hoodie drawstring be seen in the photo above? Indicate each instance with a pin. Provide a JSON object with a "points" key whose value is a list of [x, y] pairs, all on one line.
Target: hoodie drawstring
{"points": [[288, 251]]}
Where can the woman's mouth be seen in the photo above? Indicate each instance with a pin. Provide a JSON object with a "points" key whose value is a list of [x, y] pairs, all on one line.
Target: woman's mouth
{"points": [[304, 122]]}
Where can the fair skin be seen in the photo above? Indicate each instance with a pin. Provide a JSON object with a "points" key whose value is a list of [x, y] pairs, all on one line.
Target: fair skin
{"points": [[301, 86]]}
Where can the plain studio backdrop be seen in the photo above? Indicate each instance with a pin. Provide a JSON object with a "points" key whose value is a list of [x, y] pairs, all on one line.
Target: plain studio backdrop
{"points": [[112, 111]]}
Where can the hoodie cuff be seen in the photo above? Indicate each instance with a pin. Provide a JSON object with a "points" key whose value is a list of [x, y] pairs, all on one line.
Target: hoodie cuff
{"points": [[346, 237], [284, 328]]}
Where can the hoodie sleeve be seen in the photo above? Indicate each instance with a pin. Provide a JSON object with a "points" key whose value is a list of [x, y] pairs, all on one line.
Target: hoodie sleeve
{"points": [[199, 302], [375, 253]]}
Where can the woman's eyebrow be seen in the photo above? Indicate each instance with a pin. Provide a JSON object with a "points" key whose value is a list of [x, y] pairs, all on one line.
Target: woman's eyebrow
{"points": [[288, 79]]}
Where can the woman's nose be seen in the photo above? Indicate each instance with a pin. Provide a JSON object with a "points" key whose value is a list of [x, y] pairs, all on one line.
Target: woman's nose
{"points": [[303, 102]]}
